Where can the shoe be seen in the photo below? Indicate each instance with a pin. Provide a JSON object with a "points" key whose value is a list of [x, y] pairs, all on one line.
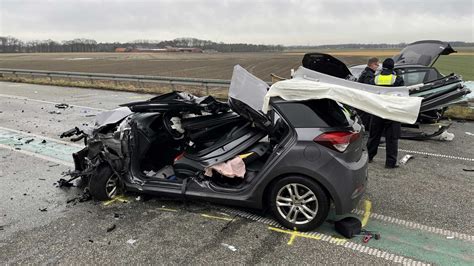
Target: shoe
{"points": [[391, 166]]}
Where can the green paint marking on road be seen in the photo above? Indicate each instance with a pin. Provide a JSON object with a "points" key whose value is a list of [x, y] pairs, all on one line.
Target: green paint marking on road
{"points": [[416, 244], [50, 148]]}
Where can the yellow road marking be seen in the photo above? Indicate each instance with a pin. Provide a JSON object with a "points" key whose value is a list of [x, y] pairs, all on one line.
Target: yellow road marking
{"points": [[368, 208], [293, 234], [216, 217], [120, 198]]}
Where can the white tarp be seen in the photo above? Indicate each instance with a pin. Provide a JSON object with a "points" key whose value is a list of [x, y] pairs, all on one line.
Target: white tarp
{"points": [[383, 102], [309, 74], [403, 109]]}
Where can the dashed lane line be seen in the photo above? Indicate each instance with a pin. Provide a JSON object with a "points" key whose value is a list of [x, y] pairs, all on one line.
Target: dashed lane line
{"points": [[48, 102], [37, 155], [413, 225], [41, 137], [436, 155], [333, 240]]}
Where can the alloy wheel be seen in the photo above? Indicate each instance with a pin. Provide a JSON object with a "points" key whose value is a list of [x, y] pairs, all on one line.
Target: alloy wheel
{"points": [[297, 204]]}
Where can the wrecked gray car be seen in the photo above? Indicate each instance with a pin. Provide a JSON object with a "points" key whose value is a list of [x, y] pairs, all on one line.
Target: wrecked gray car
{"points": [[230, 153]]}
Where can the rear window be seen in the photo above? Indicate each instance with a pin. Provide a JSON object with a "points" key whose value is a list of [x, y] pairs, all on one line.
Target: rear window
{"points": [[314, 113]]}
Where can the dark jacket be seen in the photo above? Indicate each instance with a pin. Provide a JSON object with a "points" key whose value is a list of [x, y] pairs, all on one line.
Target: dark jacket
{"points": [[367, 76], [398, 81]]}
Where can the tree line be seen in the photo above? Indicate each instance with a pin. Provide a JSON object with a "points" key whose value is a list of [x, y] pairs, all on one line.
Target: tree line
{"points": [[11, 44]]}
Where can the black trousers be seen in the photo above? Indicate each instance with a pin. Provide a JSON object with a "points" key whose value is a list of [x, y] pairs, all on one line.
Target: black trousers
{"points": [[392, 131]]}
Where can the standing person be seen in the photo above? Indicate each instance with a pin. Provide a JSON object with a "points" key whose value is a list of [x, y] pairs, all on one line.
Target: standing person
{"points": [[368, 76], [378, 125]]}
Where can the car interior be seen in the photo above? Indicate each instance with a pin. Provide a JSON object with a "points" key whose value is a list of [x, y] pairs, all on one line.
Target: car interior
{"points": [[174, 145]]}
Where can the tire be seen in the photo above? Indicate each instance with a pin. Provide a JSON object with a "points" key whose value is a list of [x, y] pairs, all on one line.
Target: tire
{"points": [[104, 183], [309, 206]]}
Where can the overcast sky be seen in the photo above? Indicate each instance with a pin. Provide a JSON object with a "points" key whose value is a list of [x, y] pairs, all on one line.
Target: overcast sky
{"points": [[250, 21]]}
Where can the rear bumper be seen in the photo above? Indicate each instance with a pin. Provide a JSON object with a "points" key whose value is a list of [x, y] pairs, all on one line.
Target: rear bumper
{"points": [[351, 191]]}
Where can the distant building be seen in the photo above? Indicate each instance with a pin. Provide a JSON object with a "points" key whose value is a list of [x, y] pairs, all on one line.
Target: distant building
{"points": [[167, 49]]}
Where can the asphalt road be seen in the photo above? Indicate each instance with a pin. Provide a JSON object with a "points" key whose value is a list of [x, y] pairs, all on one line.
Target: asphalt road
{"points": [[423, 210]]}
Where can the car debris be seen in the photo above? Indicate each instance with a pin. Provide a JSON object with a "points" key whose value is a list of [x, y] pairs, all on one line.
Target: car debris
{"points": [[405, 159], [229, 246], [61, 105], [111, 228], [131, 241]]}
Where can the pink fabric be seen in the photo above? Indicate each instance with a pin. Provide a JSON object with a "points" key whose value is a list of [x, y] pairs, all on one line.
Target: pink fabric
{"points": [[231, 168]]}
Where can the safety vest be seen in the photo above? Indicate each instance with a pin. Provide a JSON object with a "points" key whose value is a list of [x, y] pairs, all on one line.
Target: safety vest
{"points": [[385, 80]]}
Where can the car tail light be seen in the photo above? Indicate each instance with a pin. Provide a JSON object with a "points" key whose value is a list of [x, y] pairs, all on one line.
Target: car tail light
{"points": [[337, 140]]}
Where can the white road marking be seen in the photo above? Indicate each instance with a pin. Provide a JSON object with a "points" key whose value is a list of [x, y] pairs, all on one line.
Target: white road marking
{"points": [[48, 102], [42, 137], [436, 155], [40, 156], [414, 225], [347, 244]]}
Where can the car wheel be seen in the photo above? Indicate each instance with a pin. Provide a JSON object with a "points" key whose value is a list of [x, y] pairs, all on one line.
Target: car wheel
{"points": [[299, 203], [104, 183]]}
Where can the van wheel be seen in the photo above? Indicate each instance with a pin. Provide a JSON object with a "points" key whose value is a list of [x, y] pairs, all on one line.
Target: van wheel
{"points": [[104, 183], [299, 203]]}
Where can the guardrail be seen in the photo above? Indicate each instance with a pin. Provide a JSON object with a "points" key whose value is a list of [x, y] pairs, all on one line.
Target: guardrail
{"points": [[206, 83]]}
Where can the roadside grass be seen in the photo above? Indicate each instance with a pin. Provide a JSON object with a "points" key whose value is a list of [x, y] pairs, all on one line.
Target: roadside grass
{"points": [[460, 64]]}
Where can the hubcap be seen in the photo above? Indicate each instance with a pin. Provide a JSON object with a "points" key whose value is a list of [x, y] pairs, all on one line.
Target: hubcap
{"points": [[111, 186], [297, 203]]}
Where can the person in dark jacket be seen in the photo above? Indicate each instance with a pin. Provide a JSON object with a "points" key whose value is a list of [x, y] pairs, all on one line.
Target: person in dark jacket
{"points": [[378, 125], [368, 76]]}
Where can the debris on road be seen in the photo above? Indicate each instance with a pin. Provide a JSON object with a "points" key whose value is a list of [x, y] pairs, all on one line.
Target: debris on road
{"points": [[55, 112], [111, 228], [43, 209], [1, 227], [450, 237], [29, 141], [131, 241], [62, 105], [469, 133], [53, 165], [405, 158], [468, 170], [43, 141], [229, 246]]}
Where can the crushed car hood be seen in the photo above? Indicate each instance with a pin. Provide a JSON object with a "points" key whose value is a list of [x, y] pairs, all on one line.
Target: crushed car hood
{"points": [[423, 53], [388, 103]]}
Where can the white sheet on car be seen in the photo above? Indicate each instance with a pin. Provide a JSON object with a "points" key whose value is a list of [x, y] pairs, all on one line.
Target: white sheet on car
{"points": [[384, 103]]}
